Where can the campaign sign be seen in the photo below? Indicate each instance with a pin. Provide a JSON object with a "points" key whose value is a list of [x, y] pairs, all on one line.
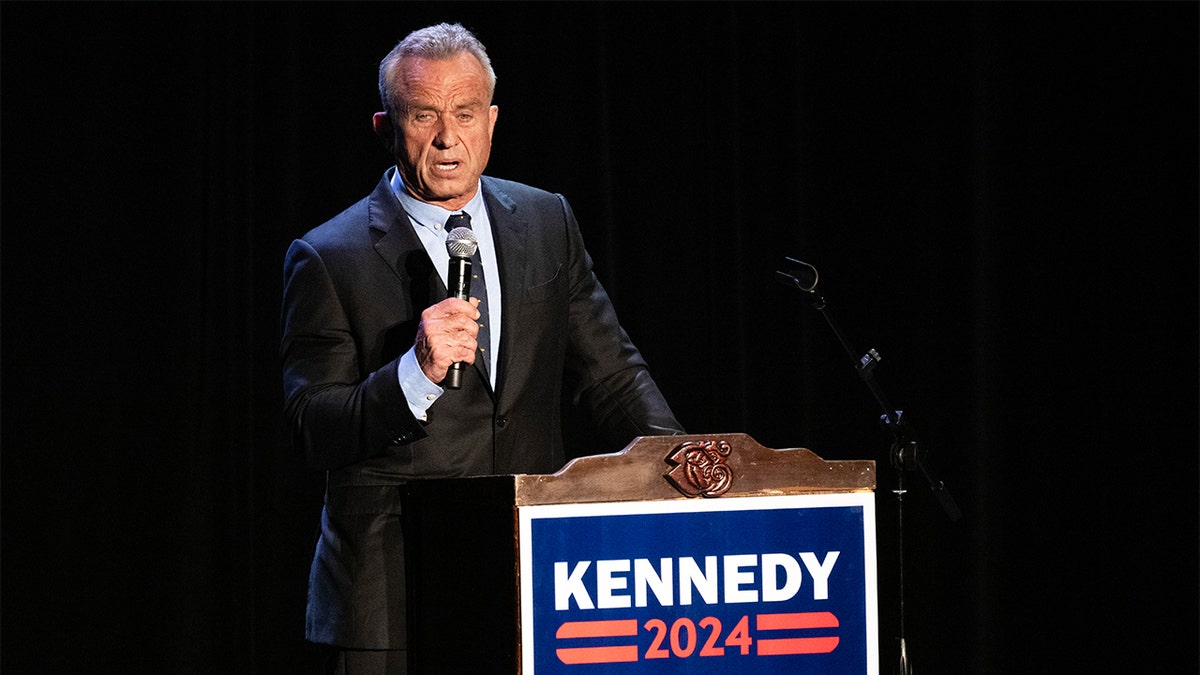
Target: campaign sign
{"points": [[780, 584]]}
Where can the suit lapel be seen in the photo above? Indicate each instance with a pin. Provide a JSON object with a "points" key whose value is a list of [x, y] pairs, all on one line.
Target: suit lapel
{"points": [[510, 232], [400, 247]]}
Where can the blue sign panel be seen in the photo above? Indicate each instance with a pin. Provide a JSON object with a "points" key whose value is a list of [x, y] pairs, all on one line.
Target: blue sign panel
{"points": [[732, 585]]}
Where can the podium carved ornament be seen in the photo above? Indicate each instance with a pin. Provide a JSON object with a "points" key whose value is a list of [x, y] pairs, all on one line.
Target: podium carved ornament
{"points": [[700, 468]]}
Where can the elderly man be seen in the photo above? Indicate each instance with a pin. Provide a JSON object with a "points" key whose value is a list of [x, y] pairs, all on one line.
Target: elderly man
{"points": [[369, 335]]}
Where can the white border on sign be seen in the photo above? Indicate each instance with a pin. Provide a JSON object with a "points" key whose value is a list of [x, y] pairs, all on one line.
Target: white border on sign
{"points": [[527, 514]]}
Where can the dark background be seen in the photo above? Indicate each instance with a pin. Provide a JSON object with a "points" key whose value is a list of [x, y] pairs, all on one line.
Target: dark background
{"points": [[1001, 199]]}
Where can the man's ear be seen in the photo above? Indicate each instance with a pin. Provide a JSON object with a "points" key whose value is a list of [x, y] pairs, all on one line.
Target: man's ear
{"points": [[383, 129]]}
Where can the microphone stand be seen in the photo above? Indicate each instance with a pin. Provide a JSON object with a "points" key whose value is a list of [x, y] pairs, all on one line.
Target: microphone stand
{"points": [[905, 454]]}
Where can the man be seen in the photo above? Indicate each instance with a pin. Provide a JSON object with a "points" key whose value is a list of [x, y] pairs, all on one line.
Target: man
{"points": [[369, 333]]}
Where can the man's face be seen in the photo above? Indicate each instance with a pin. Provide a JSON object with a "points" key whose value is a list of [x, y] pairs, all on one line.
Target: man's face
{"points": [[443, 130]]}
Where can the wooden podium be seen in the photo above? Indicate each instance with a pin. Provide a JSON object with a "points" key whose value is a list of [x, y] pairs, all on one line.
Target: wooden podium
{"points": [[701, 553]]}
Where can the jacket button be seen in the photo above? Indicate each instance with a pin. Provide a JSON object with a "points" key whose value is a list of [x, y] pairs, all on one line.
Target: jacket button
{"points": [[501, 422]]}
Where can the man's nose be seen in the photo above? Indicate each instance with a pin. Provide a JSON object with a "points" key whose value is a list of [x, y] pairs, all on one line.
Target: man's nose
{"points": [[446, 137]]}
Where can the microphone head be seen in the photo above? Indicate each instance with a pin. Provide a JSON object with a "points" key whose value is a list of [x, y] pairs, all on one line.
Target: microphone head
{"points": [[461, 243]]}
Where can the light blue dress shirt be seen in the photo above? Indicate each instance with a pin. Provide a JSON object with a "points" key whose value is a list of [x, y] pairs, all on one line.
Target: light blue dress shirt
{"points": [[428, 221]]}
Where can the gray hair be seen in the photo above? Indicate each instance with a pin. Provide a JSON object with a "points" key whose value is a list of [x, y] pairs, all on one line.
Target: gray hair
{"points": [[439, 42]]}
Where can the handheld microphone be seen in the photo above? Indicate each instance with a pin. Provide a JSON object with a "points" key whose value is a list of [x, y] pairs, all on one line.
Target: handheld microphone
{"points": [[461, 245]]}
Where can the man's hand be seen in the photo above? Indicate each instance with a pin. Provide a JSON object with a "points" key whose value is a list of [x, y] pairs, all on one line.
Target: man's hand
{"points": [[446, 335]]}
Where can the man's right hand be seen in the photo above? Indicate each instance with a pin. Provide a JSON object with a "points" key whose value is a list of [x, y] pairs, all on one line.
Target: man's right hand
{"points": [[447, 335]]}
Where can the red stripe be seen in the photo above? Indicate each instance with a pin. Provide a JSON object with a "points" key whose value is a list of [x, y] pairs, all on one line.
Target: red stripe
{"points": [[821, 645], [577, 655], [797, 620], [596, 629]]}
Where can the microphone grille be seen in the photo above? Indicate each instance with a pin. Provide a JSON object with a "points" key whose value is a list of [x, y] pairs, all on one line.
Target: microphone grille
{"points": [[461, 243]]}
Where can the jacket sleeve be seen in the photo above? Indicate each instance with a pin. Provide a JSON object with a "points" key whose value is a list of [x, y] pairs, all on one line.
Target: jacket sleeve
{"points": [[336, 413], [608, 378]]}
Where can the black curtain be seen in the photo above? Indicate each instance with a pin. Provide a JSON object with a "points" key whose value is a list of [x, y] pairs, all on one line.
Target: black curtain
{"points": [[1001, 199]]}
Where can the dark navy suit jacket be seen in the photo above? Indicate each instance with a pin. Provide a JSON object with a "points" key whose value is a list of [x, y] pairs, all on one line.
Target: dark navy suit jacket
{"points": [[354, 289]]}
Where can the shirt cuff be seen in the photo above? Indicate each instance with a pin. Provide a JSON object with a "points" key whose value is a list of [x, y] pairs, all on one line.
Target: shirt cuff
{"points": [[418, 390]]}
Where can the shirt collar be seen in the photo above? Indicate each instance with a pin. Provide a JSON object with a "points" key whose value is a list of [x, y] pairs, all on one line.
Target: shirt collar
{"points": [[432, 216]]}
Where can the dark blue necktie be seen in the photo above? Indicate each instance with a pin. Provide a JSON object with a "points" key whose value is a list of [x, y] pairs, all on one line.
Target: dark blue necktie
{"points": [[478, 290]]}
